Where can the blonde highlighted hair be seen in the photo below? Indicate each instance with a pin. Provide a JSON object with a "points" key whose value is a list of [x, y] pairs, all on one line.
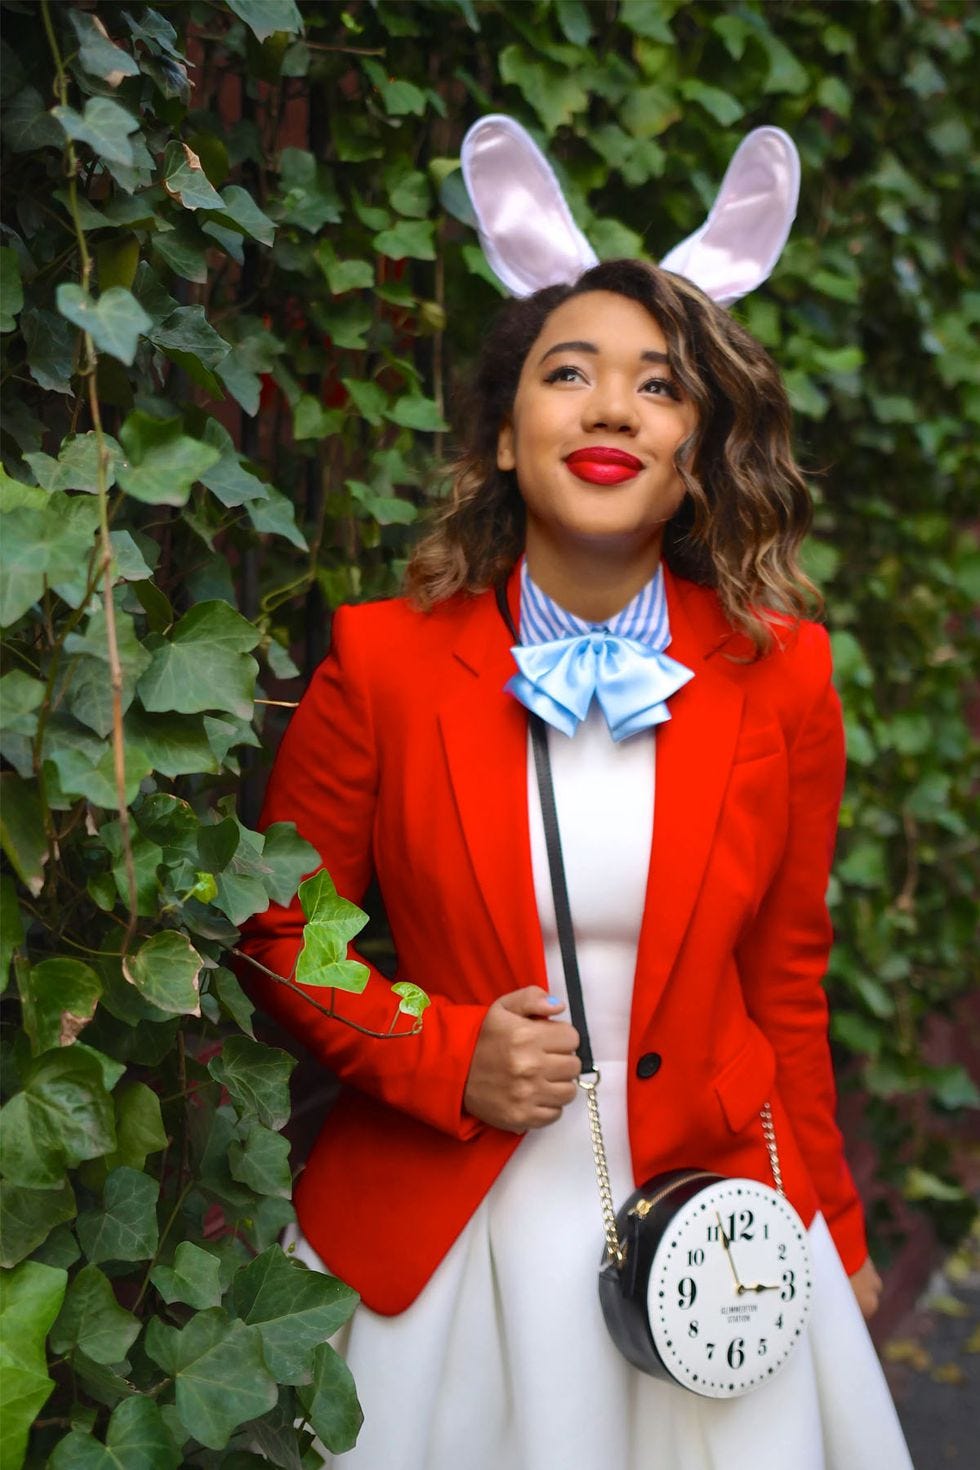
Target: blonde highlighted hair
{"points": [[746, 508]]}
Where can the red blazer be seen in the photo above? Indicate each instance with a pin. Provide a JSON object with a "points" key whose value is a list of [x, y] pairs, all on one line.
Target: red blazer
{"points": [[407, 758]]}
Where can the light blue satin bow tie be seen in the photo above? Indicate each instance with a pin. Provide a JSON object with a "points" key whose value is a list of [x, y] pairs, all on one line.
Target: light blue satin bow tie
{"points": [[630, 680]]}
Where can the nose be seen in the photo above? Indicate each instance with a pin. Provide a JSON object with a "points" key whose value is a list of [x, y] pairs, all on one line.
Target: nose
{"points": [[612, 406]]}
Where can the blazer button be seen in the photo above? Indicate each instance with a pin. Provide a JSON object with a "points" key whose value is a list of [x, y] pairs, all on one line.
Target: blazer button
{"points": [[649, 1064]]}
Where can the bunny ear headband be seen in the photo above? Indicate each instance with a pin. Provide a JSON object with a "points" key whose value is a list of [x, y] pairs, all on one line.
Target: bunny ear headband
{"points": [[530, 239]]}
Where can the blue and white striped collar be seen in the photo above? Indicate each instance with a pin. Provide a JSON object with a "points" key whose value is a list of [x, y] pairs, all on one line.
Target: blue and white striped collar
{"points": [[644, 618]]}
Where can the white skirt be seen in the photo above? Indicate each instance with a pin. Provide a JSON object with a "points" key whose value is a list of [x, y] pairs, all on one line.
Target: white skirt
{"points": [[504, 1361]]}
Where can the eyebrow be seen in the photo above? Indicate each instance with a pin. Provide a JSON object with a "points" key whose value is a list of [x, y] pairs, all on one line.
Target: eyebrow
{"points": [[590, 347]]}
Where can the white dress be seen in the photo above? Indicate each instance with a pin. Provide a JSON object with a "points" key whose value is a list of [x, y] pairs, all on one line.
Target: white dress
{"points": [[504, 1361]]}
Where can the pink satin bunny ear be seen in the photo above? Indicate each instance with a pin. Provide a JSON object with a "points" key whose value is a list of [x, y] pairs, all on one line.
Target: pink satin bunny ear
{"points": [[739, 243], [526, 229]]}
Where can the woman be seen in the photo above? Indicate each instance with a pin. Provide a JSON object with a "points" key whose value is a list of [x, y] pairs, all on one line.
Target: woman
{"points": [[628, 467]]}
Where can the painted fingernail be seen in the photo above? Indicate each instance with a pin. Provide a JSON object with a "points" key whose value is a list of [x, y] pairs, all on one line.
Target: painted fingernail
{"points": [[555, 1000]]}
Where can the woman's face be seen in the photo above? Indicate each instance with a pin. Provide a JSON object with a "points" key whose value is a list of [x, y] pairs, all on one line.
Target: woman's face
{"points": [[596, 423]]}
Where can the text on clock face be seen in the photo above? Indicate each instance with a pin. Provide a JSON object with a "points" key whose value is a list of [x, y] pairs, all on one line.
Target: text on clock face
{"points": [[729, 1294]]}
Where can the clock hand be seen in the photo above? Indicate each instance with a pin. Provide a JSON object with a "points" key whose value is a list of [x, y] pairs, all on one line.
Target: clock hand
{"points": [[758, 1286], [728, 1252]]}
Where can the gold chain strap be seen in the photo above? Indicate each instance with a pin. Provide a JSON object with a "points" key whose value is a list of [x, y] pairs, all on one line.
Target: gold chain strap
{"points": [[769, 1134], [614, 1246]]}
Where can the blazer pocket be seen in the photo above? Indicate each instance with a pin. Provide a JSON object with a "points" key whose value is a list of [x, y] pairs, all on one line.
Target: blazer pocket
{"points": [[746, 1082]]}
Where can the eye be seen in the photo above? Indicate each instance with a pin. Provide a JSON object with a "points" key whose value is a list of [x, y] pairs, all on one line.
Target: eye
{"points": [[661, 388], [565, 374]]}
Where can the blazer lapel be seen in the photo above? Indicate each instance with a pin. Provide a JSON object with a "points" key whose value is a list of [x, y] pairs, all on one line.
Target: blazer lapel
{"points": [[484, 733], [695, 748]]}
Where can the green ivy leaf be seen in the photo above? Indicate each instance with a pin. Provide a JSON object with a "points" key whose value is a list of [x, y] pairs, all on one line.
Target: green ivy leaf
{"points": [[92, 1319], [415, 412], [262, 1162], [369, 398], [166, 971], [257, 1079], [331, 923], [647, 20], [399, 97], [58, 997], [554, 92], [413, 1001], [650, 110], [11, 293], [29, 125], [244, 214], [156, 31], [343, 275], [194, 1277], [50, 344], [409, 192], [104, 126], [286, 856], [137, 1438], [22, 830], [331, 1401], [125, 1229], [311, 420], [276, 516], [85, 688], [28, 1216], [76, 467], [175, 745], [205, 666], [234, 1000], [51, 541], [387, 510], [185, 249], [220, 1377], [163, 461], [412, 238], [722, 106], [294, 1309], [63, 1115], [187, 332], [184, 178], [84, 765], [97, 53], [30, 1299], [310, 199], [20, 697], [266, 17], [785, 72], [139, 1126]]}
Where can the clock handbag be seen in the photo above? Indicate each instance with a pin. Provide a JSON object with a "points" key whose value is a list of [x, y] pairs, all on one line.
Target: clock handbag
{"points": [[705, 1281]]}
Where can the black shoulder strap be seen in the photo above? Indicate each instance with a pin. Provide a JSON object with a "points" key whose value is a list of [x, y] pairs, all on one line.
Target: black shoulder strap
{"points": [[556, 866]]}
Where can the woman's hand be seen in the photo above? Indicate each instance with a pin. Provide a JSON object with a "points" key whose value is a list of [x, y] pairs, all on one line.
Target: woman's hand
{"points": [[524, 1065], [867, 1287]]}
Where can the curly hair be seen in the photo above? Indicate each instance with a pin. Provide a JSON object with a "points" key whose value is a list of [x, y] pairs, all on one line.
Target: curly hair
{"points": [[746, 506]]}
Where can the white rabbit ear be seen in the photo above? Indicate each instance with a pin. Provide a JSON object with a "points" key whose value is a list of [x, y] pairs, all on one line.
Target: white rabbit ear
{"points": [[525, 226], [739, 243]]}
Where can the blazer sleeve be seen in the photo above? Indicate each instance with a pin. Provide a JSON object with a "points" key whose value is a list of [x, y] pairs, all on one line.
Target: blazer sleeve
{"points": [[325, 779], [783, 959]]}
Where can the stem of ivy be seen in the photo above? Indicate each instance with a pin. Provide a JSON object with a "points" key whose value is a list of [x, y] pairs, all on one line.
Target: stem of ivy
{"points": [[328, 1011], [102, 496]]}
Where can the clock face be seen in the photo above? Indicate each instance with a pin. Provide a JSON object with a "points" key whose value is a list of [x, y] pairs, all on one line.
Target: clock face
{"points": [[728, 1294]]}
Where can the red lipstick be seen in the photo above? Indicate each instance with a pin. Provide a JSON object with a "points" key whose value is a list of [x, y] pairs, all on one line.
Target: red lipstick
{"points": [[598, 464]]}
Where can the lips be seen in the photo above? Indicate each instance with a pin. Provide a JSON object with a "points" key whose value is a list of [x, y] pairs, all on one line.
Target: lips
{"points": [[601, 465]]}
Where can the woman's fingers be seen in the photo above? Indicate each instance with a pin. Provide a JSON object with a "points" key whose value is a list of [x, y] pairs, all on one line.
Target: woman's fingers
{"points": [[531, 1001], [867, 1287], [522, 1072]]}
